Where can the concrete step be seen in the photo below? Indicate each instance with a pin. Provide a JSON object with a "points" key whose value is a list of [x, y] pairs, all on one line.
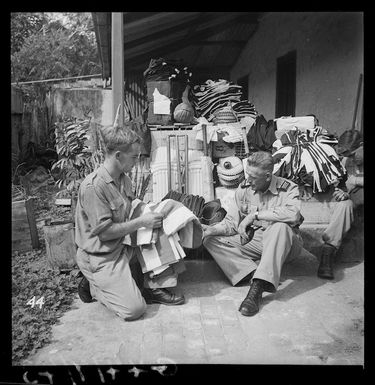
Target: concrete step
{"points": [[351, 250]]}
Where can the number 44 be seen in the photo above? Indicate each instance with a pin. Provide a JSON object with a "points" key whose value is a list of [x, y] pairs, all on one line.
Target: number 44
{"points": [[39, 302]]}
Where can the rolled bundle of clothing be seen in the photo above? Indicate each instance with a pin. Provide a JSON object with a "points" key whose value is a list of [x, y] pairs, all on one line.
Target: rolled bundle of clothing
{"points": [[309, 159], [213, 95], [230, 171], [167, 69]]}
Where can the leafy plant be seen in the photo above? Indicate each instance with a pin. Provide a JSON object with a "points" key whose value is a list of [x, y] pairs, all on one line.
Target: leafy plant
{"points": [[52, 45], [32, 277], [22, 25], [76, 160]]}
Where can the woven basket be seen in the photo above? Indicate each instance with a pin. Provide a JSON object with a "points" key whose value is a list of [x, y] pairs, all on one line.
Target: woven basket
{"points": [[234, 164], [225, 115], [234, 183]]}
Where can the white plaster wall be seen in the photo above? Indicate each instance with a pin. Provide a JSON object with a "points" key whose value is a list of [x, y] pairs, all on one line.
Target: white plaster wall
{"points": [[74, 102], [107, 118], [329, 49]]}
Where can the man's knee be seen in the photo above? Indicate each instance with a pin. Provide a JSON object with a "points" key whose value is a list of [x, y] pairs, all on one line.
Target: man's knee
{"points": [[345, 205], [135, 311], [279, 227], [210, 241]]}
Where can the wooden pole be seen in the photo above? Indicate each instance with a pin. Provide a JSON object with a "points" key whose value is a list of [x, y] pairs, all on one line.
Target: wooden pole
{"points": [[178, 164], [186, 164], [204, 132], [118, 65], [207, 167], [57, 79], [29, 203], [169, 168]]}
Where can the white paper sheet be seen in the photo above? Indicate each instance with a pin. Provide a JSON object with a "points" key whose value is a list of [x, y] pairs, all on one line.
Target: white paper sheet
{"points": [[161, 103]]}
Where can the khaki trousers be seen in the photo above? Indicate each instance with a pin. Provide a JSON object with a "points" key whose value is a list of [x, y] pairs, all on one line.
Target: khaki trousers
{"points": [[265, 253], [117, 281], [340, 223]]}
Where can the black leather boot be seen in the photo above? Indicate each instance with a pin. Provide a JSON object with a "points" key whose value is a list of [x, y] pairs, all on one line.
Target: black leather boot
{"points": [[325, 269], [250, 305], [162, 296], [84, 291]]}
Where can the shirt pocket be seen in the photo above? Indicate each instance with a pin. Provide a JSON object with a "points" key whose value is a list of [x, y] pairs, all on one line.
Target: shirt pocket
{"points": [[117, 206], [246, 208]]}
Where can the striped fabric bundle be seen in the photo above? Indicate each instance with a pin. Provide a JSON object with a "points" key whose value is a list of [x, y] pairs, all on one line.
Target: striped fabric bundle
{"points": [[213, 95], [244, 108], [309, 159], [159, 248]]}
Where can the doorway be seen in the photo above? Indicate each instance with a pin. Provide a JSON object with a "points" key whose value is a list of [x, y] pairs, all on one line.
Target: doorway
{"points": [[286, 84]]}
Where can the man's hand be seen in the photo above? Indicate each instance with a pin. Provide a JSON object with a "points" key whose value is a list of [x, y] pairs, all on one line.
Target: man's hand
{"points": [[353, 181], [152, 220], [340, 195], [207, 231], [246, 222], [305, 193]]}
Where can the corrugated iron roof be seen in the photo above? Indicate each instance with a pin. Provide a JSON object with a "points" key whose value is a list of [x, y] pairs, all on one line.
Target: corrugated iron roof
{"points": [[210, 40]]}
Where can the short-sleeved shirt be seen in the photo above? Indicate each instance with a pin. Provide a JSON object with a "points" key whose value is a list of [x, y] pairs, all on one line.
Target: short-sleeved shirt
{"points": [[101, 202], [279, 203]]}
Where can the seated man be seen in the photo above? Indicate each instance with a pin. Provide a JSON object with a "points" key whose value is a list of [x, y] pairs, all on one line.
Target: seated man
{"points": [[102, 222], [343, 194], [271, 203], [347, 195]]}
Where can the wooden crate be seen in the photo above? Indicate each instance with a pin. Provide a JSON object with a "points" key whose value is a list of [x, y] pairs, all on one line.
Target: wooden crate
{"points": [[24, 230], [60, 244]]}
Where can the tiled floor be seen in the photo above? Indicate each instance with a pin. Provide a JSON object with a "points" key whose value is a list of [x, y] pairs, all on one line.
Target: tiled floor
{"points": [[307, 321]]}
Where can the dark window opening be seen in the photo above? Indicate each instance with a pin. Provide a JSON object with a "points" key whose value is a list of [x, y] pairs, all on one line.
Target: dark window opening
{"points": [[286, 84]]}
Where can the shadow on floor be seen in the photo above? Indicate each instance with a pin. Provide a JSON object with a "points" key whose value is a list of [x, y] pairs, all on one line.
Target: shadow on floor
{"points": [[302, 283]]}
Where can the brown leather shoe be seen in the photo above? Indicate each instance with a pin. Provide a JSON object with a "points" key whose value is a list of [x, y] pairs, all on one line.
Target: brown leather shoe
{"points": [[250, 305], [163, 296], [325, 269]]}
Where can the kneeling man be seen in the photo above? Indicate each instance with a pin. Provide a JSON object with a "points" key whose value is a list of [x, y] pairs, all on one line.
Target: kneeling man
{"points": [[102, 221], [271, 206]]}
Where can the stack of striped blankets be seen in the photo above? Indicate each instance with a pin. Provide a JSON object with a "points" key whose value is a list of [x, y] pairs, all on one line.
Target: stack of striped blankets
{"points": [[309, 159], [214, 95]]}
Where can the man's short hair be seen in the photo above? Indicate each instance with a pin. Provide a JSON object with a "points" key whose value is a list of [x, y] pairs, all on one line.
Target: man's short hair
{"points": [[118, 138], [261, 159]]}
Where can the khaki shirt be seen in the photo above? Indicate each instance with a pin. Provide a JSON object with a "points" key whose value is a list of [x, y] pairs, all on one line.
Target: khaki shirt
{"points": [[100, 203], [279, 203]]}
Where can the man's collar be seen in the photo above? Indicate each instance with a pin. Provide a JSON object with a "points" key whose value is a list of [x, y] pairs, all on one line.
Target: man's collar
{"points": [[103, 172], [272, 186]]}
